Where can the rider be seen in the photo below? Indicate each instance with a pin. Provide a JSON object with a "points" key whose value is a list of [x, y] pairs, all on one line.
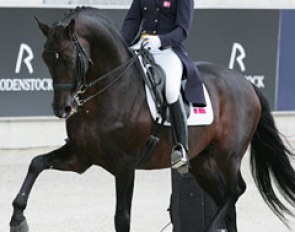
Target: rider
{"points": [[164, 25]]}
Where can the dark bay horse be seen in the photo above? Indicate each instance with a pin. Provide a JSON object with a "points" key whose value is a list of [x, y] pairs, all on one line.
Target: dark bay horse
{"points": [[98, 89]]}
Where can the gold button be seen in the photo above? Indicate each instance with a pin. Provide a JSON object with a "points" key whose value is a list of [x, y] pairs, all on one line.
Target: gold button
{"points": [[154, 32], [145, 8], [156, 20], [144, 32]]}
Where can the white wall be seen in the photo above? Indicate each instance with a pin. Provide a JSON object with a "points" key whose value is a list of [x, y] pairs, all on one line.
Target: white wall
{"points": [[261, 4], [24, 133], [33, 132], [20, 3]]}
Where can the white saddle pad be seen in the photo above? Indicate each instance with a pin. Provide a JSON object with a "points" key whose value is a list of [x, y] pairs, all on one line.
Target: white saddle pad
{"points": [[198, 115]]}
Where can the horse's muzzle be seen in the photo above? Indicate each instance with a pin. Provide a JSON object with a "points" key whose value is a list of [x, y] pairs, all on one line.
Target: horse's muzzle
{"points": [[65, 110]]}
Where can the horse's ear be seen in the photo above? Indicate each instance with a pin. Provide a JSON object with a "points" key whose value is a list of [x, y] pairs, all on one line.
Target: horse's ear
{"points": [[43, 27], [70, 29]]}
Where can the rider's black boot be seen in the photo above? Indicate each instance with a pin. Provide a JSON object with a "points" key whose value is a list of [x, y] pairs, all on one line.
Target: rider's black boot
{"points": [[179, 156]]}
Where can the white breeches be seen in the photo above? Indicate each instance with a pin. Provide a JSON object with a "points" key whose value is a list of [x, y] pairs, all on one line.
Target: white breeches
{"points": [[173, 68]]}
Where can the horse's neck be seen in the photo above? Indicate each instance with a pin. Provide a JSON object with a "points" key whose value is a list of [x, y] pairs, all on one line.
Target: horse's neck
{"points": [[129, 89]]}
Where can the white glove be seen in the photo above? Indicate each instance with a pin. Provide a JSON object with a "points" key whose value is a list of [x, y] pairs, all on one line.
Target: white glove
{"points": [[153, 43]]}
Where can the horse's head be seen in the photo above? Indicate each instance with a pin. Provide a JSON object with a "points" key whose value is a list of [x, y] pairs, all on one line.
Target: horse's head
{"points": [[67, 62]]}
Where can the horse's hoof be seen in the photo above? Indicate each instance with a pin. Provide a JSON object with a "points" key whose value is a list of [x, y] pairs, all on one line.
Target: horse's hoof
{"points": [[22, 227]]}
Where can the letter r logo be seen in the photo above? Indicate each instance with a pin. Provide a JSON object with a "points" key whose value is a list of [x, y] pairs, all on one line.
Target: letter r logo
{"points": [[237, 57], [26, 60]]}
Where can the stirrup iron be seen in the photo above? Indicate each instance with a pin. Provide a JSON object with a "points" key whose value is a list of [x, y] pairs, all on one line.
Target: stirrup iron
{"points": [[179, 156]]}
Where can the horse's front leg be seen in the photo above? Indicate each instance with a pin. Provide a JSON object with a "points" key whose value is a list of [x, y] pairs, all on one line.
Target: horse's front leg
{"points": [[60, 159], [124, 192], [38, 164]]}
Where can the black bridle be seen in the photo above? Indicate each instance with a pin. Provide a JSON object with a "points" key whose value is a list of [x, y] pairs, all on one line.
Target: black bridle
{"points": [[83, 63], [80, 86]]}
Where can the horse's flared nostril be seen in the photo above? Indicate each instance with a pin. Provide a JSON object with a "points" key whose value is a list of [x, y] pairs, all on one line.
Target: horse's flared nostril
{"points": [[68, 109], [63, 110], [66, 112], [60, 113]]}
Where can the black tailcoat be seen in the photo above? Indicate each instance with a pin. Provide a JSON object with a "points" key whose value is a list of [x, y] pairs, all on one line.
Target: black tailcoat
{"points": [[171, 20]]}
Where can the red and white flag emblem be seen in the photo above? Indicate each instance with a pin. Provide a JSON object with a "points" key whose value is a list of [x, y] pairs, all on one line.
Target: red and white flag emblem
{"points": [[167, 4], [198, 110]]}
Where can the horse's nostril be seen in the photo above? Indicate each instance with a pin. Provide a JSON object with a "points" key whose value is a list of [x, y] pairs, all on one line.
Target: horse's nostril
{"points": [[68, 109]]}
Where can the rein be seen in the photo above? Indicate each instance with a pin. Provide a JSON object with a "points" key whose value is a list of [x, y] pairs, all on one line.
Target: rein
{"points": [[121, 70]]}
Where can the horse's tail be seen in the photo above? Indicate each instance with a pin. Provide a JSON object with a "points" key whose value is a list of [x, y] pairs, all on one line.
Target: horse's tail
{"points": [[270, 160]]}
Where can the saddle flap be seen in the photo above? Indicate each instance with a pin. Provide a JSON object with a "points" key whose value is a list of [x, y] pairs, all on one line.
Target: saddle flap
{"points": [[154, 78], [197, 115]]}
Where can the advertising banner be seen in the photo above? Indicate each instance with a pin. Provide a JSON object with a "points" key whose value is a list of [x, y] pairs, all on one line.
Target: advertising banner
{"points": [[25, 84], [286, 84], [245, 40]]}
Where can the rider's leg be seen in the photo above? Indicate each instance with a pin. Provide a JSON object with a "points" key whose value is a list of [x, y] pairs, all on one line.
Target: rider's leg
{"points": [[179, 156], [173, 68]]}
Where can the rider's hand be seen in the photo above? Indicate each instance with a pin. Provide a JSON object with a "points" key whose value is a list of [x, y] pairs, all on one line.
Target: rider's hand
{"points": [[153, 43]]}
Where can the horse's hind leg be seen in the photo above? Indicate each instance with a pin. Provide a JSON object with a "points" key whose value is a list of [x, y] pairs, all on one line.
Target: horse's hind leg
{"points": [[58, 159], [224, 184], [227, 211], [231, 218], [124, 191]]}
